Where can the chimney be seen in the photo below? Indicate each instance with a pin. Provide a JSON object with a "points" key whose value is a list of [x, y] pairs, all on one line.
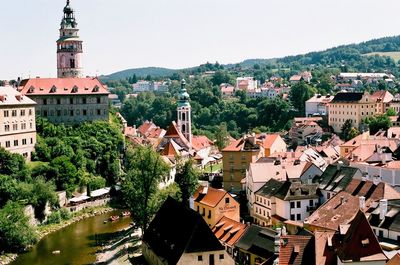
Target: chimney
{"points": [[362, 202], [339, 165], [277, 240], [342, 200], [376, 179], [383, 207]]}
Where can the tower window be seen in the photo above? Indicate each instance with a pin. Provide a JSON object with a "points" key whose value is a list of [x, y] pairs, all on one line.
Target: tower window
{"points": [[183, 116], [183, 128], [72, 63]]}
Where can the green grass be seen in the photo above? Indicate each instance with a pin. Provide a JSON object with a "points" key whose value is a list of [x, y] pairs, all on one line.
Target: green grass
{"points": [[394, 55], [215, 168], [35, 164]]}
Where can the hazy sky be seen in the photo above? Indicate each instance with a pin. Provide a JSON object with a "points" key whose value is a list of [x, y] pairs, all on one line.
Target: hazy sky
{"points": [[121, 34]]}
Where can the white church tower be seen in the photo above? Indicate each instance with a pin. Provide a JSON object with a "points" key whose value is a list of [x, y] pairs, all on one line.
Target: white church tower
{"points": [[184, 113]]}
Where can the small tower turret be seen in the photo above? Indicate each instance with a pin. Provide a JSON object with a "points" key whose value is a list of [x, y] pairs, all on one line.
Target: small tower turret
{"points": [[69, 46], [184, 112]]}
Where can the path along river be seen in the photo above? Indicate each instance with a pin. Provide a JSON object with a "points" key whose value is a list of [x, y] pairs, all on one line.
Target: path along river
{"points": [[77, 243]]}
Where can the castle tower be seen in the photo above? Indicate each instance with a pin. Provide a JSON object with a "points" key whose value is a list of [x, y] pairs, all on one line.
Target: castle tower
{"points": [[69, 46], [184, 113]]}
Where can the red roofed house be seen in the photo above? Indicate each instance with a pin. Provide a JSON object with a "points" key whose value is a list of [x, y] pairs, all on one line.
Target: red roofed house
{"points": [[272, 143], [69, 98], [296, 249], [213, 204], [383, 99]]}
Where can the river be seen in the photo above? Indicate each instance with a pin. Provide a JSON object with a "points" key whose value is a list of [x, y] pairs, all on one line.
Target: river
{"points": [[76, 242]]}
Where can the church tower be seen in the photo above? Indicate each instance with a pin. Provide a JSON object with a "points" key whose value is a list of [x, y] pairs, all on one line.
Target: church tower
{"points": [[184, 113], [69, 46]]}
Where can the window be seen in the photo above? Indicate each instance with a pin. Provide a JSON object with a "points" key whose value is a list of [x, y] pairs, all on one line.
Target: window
{"points": [[84, 112], [59, 113], [23, 126], [15, 127], [311, 202], [14, 113], [291, 204], [99, 113], [6, 128], [45, 113], [226, 200], [298, 204], [71, 101], [44, 101], [71, 113], [22, 112], [84, 100], [199, 258], [6, 113], [98, 100], [30, 125], [204, 211], [198, 208], [15, 142], [298, 216], [328, 195], [292, 217], [23, 141], [380, 233], [209, 214], [31, 140], [58, 101], [8, 144], [221, 256]]}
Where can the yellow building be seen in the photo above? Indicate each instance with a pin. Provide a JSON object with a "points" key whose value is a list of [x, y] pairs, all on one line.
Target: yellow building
{"points": [[236, 159], [213, 204], [353, 106]]}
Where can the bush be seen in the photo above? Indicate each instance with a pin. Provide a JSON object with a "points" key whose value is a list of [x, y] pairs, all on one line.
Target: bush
{"points": [[65, 214], [54, 218]]}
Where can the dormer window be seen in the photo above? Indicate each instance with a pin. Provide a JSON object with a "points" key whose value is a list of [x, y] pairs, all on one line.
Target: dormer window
{"points": [[53, 89], [75, 89], [31, 89], [96, 89]]}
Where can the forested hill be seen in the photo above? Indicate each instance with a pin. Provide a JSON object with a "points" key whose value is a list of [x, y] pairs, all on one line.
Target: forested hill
{"points": [[381, 54]]}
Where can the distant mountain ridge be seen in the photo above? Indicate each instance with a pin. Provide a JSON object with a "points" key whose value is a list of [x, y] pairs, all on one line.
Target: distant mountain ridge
{"points": [[335, 55]]}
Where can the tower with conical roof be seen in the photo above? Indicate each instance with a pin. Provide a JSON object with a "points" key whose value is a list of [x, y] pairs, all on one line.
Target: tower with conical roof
{"points": [[184, 112], [69, 46]]}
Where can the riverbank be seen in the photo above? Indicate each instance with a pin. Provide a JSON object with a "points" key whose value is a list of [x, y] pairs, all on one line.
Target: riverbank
{"points": [[44, 230], [122, 249]]}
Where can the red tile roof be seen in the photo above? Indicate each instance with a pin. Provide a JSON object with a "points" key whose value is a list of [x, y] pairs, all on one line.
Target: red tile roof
{"points": [[62, 86], [145, 127], [200, 142], [395, 260], [269, 140], [296, 250], [228, 231], [211, 198]]}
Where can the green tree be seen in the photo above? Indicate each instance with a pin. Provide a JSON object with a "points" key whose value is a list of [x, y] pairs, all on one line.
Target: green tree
{"points": [[379, 122], [391, 112], [353, 133], [222, 136], [15, 232], [145, 169], [187, 178], [346, 130], [299, 94]]}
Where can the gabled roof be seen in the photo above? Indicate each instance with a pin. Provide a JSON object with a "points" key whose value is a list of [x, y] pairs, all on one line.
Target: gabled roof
{"points": [[383, 96], [200, 142], [340, 209], [270, 188], [336, 178], [268, 140], [145, 127], [209, 196], [372, 191], [297, 250], [395, 260], [177, 229], [62, 86], [243, 144], [259, 241], [228, 231], [357, 242]]}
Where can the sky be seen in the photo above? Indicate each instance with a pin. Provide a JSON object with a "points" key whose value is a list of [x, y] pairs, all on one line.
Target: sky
{"points": [[123, 34]]}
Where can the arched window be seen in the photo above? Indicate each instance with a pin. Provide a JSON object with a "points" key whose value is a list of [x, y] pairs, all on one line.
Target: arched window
{"points": [[183, 128], [183, 116]]}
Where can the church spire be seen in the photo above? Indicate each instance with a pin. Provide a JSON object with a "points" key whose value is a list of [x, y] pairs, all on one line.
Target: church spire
{"points": [[69, 46], [184, 112]]}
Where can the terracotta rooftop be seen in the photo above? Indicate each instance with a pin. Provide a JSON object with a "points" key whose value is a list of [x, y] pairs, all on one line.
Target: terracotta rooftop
{"points": [[145, 127], [243, 144], [268, 140], [200, 142], [228, 231], [340, 209], [297, 250], [382, 96], [395, 260], [209, 196], [62, 86]]}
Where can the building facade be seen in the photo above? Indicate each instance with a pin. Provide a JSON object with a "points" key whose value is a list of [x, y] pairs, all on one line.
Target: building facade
{"points": [[68, 100], [353, 106], [184, 113], [69, 46], [17, 122]]}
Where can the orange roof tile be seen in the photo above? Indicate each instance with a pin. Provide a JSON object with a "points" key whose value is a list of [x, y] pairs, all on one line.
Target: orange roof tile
{"points": [[211, 198], [64, 86], [296, 249], [395, 260], [270, 140], [200, 142], [228, 231], [145, 127]]}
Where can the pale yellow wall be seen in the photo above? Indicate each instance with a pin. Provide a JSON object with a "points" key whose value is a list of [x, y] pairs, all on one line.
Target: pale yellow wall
{"points": [[235, 165], [230, 210]]}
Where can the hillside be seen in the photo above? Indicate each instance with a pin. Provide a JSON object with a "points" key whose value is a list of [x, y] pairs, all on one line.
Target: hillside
{"points": [[381, 54]]}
